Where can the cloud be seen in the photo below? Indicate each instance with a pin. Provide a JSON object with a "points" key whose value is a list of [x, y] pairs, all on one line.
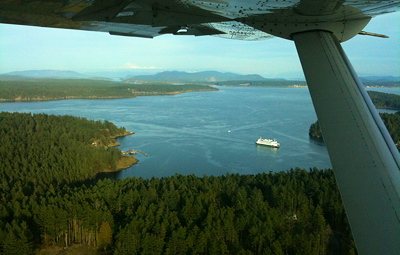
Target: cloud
{"points": [[133, 66]]}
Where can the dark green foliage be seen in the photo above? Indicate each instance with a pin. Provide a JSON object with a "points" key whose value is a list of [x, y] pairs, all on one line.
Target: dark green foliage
{"points": [[392, 123], [17, 239], [55, 89], [385, 100], [294, 212], [43, 149], [315, 131], [289, 213]]}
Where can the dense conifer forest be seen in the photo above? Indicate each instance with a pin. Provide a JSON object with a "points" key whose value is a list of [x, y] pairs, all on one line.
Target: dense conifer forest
{"points": [[385, 100], [392, 123], [315, 131], [49, 198], [44, 149], [56, 89]]}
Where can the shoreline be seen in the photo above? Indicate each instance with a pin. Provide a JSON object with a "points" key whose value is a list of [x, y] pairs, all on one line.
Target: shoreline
{"points": [[134, 95], [115, 143], [36, 99], [124, 162], [256, 86], [126, 133]]}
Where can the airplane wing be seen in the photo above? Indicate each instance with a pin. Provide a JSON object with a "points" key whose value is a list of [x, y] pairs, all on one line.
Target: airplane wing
{"points": [[243, 20], [364, 158], [127, 18]]}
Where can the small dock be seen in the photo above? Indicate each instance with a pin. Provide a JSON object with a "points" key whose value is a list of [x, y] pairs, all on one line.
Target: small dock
{"points": [[133, 152]]}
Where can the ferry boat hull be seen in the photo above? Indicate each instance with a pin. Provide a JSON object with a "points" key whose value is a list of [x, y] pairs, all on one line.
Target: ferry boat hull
{"points": [[268, 142]]}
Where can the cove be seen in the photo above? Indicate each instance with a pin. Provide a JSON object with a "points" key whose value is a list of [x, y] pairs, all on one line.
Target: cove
{"points": [[205, 133]]}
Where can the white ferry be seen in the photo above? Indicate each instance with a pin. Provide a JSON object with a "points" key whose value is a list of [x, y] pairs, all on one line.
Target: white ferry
{"points": [[268, 142]]}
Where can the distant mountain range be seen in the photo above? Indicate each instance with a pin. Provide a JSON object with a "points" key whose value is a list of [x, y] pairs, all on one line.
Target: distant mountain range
{"points": [[379, 78], [170, 76], [178, 77], [47, 74], [206, 76]]}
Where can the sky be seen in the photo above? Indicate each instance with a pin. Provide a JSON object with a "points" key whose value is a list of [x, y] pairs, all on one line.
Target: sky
{"points": [[35, 48]]}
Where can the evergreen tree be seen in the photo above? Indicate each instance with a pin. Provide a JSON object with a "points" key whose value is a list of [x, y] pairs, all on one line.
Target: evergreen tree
{"points": [[48, 197], [105, 235]]}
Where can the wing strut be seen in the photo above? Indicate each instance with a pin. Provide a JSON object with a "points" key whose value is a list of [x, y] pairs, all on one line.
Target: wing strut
{"points": [[364, 157]]}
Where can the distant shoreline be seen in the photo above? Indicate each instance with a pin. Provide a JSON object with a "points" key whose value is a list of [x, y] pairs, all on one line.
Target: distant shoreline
{"points": [[138, 94], [33, 90], [259, 86], [56, 99]]}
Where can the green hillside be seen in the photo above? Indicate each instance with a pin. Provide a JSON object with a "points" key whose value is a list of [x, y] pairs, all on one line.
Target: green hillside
{"points": [[56, 89], [50, 202]]}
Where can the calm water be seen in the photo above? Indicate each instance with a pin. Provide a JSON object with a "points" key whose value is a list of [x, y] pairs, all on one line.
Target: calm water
{"points": [[188, 133]]}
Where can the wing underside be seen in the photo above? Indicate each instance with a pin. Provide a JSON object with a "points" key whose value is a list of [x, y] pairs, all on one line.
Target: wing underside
{"points": [[243, 20]]}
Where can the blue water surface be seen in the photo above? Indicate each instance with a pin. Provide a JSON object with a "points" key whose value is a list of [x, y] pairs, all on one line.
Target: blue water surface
{"points": [[206, 133]]}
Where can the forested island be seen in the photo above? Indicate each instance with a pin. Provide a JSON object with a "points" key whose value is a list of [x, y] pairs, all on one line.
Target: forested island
{"points": [[385, 100], [380, 100], [57, 148], [23, 89], [49, 201]]}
